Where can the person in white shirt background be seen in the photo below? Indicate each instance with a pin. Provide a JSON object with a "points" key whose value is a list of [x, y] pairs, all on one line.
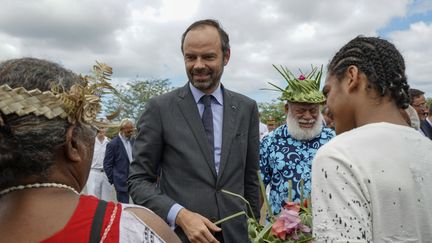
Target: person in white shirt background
{"points": [[263, 130], [97, 183]]}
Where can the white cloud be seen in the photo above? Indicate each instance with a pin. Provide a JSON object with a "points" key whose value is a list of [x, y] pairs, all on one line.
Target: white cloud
{"points": [[415, 46], [142, 38]]}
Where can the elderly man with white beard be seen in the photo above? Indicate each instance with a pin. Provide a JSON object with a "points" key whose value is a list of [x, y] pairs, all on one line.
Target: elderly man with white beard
{"points": [[286, 154]]}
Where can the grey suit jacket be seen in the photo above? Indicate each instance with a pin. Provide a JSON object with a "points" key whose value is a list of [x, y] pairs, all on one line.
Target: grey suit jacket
{"points": [[172, 144]]}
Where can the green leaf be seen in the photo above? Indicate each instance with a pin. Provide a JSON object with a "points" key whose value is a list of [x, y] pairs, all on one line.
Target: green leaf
{"points": [[241, 197], [286, 77], [230, 217], [264, 231], [279, 89], [289, 191], [264, 195]]}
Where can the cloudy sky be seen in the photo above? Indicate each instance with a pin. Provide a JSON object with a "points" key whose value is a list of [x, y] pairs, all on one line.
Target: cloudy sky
{"points": [[141, 39]]}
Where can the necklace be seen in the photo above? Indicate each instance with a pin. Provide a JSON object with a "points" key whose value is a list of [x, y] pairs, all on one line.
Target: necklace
{"points": [[37, 185]]}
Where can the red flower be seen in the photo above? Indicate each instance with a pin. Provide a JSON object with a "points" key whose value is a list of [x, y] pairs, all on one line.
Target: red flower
{"points": [[302, 77]]}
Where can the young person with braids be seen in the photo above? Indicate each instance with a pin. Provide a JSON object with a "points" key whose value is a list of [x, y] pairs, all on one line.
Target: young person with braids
{"points": [[46, 148], [373, 181]]}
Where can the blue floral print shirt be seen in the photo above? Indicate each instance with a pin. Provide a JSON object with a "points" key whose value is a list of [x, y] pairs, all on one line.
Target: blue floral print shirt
{"points": [[283, 159]]}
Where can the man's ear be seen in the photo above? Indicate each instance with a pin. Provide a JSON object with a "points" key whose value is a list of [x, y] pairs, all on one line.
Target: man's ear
{"points": [[226, 57], [71, 146], [353, 76], [286, 108]]}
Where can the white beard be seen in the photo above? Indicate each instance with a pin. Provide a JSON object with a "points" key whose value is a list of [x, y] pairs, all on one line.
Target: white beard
{"points": [[299, 133]]}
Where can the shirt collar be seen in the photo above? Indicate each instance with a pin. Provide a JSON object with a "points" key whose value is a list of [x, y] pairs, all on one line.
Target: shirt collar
{"points": [[197, 94], [99, 142], [124, 139]]}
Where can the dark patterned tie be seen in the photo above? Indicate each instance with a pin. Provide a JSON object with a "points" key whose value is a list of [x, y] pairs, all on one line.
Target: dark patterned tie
{"points": [[207, 119]]}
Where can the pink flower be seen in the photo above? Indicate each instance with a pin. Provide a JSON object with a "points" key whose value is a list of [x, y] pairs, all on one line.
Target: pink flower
{"points": [[278, 229], [302, 77], [288, 224]]}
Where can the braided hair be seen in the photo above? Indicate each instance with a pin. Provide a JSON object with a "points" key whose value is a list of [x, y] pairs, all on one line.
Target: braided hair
{"points": [[380, 61]]}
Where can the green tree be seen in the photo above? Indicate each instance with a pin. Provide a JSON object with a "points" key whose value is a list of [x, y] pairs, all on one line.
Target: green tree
{"points": [[274, 110], [135, 95]]}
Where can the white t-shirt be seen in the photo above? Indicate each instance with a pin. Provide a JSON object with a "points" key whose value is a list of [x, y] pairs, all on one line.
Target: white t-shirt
{"points": [[263, 130], [373, 183], [99, 153], [133, 229]]}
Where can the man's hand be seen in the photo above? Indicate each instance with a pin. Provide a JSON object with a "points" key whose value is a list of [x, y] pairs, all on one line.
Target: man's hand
{"points": [[196, 227]]}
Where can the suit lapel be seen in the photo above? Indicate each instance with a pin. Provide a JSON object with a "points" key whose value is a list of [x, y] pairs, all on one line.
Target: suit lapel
{"points": [[189, 109], [230, 113], [426, 128], [123, 147]]}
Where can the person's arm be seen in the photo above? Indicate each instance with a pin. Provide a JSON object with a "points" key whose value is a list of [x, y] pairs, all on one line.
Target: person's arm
{"points": [[156, 224], [251, 182], [340, 201], [144, 169], [108, 162], [196, 227]]}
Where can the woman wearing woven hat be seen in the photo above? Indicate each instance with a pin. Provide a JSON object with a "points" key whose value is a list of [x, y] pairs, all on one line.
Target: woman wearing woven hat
{"points": [[46, 146], [372, 182]]}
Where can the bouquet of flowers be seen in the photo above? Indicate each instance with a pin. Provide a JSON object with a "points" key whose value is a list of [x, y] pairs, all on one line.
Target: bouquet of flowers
{"points": [[292, 224]]}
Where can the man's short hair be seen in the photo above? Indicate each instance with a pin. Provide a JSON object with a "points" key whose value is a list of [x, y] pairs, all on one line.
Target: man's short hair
{"points": [[414, 94], [224, 38], [124, 122]]}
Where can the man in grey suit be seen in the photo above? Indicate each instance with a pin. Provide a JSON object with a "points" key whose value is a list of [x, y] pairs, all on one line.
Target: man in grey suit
{"points": [[195, 141]]}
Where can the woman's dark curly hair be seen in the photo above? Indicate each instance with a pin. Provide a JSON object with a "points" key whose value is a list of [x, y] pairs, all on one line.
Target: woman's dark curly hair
{"points": [[28, 143], [380, 61]]}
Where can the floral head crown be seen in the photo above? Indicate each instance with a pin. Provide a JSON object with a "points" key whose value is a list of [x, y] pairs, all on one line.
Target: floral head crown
{"points": [[80, 104], [305, 88]]}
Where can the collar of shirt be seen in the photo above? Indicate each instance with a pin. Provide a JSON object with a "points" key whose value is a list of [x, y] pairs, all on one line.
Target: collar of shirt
{"points": [[103, 142], [197, 94], [124, 139]]}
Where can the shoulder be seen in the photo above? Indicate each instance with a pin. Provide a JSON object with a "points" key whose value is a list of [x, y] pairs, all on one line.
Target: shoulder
{"points": [[335, 147], [277, 133], [174, 94], [239, 97], [281, 131], [327, 133], [115, 139], [349, 144], [425, 126], [139, 216], [165, 101]]}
